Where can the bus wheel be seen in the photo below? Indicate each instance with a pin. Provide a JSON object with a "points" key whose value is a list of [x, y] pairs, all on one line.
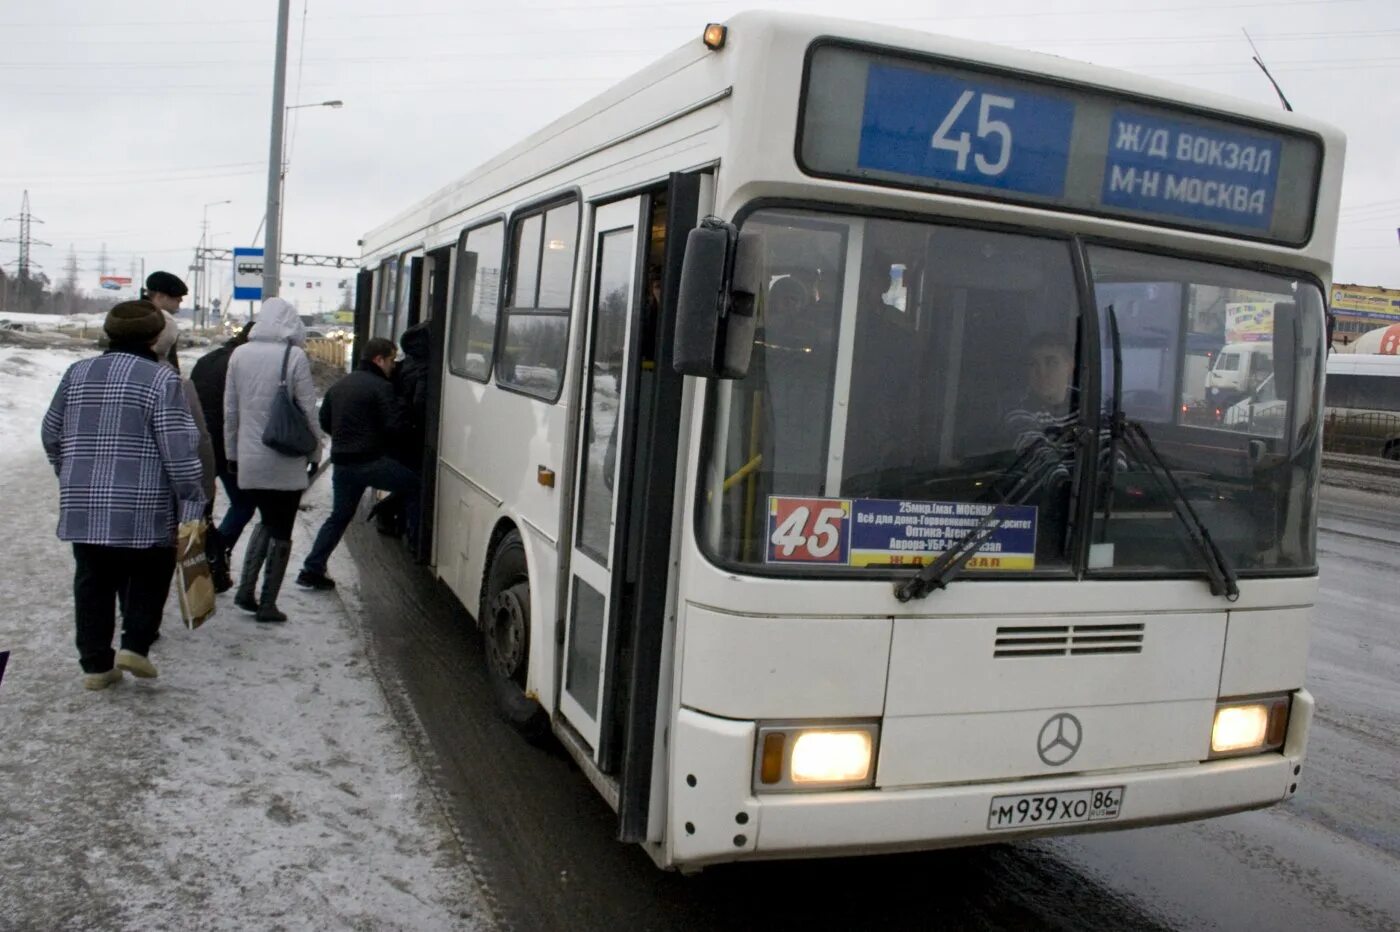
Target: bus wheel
{"points": [[506, 633]]}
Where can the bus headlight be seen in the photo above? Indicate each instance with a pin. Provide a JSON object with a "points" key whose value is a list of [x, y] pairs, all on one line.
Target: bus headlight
{"points": [[1248, 727], [815, 757]]}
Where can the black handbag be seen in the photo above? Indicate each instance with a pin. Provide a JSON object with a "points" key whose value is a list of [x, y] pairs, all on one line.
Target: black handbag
{"points": [[287, 430]]}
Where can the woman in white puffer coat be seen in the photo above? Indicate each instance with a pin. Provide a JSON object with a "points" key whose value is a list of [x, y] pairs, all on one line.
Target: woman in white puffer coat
{"points": [[273, 480]]}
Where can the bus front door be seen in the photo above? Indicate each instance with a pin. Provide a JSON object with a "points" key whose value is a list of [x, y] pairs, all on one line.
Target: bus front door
{"points": [[595, 579]]}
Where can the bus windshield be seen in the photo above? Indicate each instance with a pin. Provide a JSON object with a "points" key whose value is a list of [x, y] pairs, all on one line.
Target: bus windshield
{"points": [[913, 382]]}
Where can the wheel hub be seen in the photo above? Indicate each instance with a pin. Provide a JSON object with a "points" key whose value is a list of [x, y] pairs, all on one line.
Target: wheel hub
{"points": [[505, 637]]}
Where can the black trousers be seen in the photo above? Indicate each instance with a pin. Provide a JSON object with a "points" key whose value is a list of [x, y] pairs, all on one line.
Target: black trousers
{"points": [[138, 577], [277, 508]]}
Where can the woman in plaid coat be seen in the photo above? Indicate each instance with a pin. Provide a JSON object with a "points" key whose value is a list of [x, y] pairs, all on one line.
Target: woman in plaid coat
{"points": [[124, 445]]}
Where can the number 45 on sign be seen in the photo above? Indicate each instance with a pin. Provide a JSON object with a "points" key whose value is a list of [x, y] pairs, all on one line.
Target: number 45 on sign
{"points": [[987, 127], [808, 530]]}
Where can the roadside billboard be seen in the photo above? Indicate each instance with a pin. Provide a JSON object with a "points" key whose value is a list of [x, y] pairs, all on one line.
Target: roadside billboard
{"points": [[1249, 321], [1366, 301]]}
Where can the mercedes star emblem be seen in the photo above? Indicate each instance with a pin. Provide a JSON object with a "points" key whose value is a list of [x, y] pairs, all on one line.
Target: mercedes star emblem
{"points": [[1059, 739]]}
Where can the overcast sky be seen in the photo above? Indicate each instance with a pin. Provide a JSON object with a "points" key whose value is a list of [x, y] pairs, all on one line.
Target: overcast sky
{"points": [[124, 119]]}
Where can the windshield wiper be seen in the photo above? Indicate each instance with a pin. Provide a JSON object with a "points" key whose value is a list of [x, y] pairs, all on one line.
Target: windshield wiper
{"points": [[1042, 461], [1222, 574], [1134, 438]]}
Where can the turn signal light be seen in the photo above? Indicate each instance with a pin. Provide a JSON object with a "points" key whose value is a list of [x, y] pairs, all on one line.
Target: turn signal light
{"points": [[714, 37], [771, 766]]}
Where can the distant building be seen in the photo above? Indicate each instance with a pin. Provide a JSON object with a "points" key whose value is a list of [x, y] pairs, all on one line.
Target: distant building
{"points": [[1357, 309]]}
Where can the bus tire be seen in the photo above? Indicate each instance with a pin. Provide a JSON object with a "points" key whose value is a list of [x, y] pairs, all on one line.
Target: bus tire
{"points": [[505, 633]]}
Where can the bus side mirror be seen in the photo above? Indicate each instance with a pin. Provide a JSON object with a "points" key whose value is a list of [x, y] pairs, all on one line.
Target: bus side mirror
{"points": [[715, 312], [1285, 348]]}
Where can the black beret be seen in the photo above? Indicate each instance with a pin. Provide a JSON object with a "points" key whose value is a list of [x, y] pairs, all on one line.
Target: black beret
{"points": [[166, 283], [134, 321]]}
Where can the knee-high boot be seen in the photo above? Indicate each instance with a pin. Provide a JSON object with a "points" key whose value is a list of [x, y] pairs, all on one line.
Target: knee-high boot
{"points": [[247, 595], [216, 552], [278, 552]]}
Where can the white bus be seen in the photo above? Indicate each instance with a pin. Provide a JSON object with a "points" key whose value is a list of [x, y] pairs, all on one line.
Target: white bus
{"points": [[1363, 404], [811, 447]]}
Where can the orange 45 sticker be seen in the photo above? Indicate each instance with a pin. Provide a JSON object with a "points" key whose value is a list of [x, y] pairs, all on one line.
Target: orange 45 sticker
{"points": [[809, 530]]}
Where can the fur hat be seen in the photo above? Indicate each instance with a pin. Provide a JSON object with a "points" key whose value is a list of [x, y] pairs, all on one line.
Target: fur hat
{"points": [[166, 283], [134, 321]]}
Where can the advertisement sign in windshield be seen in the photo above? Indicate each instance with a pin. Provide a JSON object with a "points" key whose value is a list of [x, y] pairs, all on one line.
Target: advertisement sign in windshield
{"points": [[885, 532]]}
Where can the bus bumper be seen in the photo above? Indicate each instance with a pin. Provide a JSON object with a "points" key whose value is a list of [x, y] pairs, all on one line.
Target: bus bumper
{"points": [[715, 816]]}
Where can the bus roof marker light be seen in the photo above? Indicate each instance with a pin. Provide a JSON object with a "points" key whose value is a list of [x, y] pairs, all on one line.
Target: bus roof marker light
{"points": [[715, 34]]}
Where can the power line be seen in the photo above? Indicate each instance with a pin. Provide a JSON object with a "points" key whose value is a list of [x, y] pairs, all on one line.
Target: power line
{"points": [[439, 13], [162, 171]]}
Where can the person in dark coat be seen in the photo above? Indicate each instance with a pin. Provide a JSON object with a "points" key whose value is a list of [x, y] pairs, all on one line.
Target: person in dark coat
{"points": [[120, 437], [274, 481], [364, 419], [410, 380], [208, 376], [165, 290]]}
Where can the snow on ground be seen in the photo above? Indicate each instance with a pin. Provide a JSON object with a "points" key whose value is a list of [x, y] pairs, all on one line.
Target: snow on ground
{"points": [[259, 783]]}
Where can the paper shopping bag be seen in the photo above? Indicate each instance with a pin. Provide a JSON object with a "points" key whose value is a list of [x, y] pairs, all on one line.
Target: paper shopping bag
{"points": [[192, 578]]}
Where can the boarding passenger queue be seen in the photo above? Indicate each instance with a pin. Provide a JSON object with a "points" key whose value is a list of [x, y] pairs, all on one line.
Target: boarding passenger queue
{"points": [[137, 450]]}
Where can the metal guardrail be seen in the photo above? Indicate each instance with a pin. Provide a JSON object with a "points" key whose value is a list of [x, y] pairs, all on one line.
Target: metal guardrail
{"points": [[1369, 433], [330, 352]]}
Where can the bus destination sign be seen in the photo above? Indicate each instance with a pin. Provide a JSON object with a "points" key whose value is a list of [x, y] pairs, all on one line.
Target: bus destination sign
{"points": [[924, 124], [1189, 170], [942, 127], [888, 532]]}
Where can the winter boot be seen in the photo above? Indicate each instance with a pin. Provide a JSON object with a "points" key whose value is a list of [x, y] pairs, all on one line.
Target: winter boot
{"points": [[278, 552], [247, 598], [385, 515], [102, 680], [136, 664], [217, 555]]}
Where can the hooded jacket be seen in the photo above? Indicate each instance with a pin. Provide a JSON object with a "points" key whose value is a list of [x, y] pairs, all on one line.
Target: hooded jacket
{"points": [[254, 373]]}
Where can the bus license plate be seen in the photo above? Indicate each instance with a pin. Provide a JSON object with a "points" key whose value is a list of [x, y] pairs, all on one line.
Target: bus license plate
{"points": [[1050, 809]]}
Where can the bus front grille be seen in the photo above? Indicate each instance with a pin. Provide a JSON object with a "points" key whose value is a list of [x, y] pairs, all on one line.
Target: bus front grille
{"points": [[1067, 640]]}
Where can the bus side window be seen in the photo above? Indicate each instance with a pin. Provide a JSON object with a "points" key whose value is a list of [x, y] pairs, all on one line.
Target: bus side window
{"points": [[387, 288], [536, 327], [476, 301]]}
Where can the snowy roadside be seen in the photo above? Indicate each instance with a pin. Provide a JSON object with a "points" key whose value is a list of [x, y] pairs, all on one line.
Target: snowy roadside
{"points": [[261, 782]]}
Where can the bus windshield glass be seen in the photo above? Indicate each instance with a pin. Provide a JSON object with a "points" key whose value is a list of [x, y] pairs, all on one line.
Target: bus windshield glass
{"points": [[1221, 367], [914, 382], [906, 378]]}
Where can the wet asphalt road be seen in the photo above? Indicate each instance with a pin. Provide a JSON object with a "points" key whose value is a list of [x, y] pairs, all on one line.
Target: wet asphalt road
{"points": [[539, 839]]}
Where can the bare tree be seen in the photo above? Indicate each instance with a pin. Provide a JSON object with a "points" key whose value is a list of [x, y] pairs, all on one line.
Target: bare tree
{"points": [[67, 296]]}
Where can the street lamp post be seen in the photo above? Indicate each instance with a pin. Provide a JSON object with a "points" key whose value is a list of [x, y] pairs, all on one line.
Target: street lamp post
{"points": [[272, 242], [201, 280], [286, 166]]}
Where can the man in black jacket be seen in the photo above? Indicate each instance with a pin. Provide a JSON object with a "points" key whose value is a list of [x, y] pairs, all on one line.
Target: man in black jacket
{"points": [[410, 381], [208, 375], [362, 416]]}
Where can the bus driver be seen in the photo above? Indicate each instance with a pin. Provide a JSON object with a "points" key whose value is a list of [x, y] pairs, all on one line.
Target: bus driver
{"points": [[1049, 404]]}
